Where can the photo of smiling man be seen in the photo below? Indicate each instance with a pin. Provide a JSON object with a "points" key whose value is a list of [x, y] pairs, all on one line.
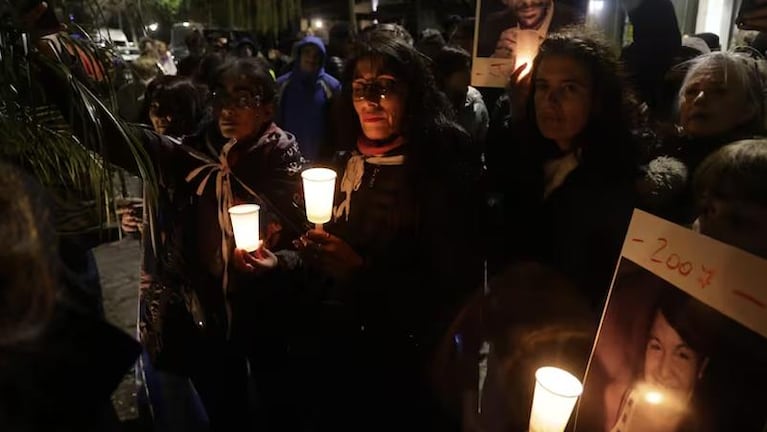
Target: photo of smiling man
{"points": [[498, 30]]}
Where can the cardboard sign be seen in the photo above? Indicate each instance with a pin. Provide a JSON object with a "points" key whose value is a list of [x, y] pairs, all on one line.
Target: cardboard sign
{"points": [[508, 33], [682, 345]]}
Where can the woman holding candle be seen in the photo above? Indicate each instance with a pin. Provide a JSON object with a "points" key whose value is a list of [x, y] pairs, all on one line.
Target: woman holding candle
{"points": [[569, 162], [240, 156], [398, 258]]}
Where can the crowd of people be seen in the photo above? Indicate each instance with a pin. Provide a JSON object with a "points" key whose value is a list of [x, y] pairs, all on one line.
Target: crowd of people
{"points": [[468, 238]]}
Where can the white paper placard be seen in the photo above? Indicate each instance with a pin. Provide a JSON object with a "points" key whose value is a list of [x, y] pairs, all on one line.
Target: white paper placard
{"points": [[682, 345]]}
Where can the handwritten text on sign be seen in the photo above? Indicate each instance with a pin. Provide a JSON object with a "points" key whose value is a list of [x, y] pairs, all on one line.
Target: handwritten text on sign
{"points": [[720, 275], [703, 274]]}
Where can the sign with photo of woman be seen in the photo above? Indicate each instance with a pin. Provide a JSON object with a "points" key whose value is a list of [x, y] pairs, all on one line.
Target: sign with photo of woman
{"points": [[683, 341], [508, 33]]}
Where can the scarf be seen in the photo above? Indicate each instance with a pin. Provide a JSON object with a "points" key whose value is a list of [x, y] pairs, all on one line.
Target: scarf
{"points": [[221, 172], [556, 171], [371, 152]]}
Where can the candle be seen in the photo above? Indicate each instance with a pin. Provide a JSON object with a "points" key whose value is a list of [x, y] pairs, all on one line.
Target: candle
{"points": [[319, 188], [528, 42], [556, 392], [245, 226], [650, 408]]}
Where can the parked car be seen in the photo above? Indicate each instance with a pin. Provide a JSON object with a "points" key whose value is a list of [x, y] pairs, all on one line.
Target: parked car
{"points": [[117, 38]]}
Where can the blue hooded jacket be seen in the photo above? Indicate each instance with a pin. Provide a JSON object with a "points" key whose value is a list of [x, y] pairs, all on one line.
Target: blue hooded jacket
{"points": [[304, 101]]}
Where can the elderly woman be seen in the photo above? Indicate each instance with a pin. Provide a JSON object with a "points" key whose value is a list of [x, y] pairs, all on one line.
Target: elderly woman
{"points": [[571, 164], [721, 100], [398, 258]]}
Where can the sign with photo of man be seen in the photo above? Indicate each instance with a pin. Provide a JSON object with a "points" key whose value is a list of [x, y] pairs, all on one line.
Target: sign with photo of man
{"points": [[508, 33]]}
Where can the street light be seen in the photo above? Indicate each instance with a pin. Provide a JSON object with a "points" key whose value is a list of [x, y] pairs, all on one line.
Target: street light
{"points": [[595, 7], [185, 24], [318, 24]]}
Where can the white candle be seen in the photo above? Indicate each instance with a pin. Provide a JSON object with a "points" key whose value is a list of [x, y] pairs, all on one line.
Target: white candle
{"points": [[319, 188], [556, 392], [528, 42], [245, 226]]}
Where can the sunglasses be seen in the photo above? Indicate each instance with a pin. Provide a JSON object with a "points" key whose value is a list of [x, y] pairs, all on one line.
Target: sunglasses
{"points": [[241, 99], [374, 91]]}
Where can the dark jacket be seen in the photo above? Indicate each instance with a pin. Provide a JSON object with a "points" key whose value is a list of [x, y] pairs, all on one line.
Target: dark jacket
{"points": [[304, 100], [578, 229], [368, 342], [63, 379], [496, 23], [189, 261], [657, 40]]}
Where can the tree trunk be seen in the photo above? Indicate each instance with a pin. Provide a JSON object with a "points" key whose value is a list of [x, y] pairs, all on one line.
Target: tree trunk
{"points": [[231, 13], [249, 15], [352, 15]]}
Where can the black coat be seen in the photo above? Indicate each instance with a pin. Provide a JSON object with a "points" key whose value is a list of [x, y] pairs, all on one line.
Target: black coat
{"points": [[578, 229], [63, 379], [367, 343]]}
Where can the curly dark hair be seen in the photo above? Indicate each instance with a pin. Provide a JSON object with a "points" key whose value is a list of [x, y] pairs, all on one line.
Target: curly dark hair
{"points": [[606, 141], [428, 114]]}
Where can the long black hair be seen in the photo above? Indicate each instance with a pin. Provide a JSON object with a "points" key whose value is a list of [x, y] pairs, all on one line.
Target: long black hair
{"points": [[606, 143], [179, 98], [428, 122]]}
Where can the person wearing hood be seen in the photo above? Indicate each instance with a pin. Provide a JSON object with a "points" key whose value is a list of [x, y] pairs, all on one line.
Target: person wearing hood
{"points": [[304, 97], [246, 47]]}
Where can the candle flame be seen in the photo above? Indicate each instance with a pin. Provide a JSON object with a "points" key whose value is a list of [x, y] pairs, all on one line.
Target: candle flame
{"points": [[654, 397]]}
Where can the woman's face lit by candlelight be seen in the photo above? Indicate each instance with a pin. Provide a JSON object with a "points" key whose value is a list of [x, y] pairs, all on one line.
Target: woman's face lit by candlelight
{"points": [[379, 100], [670, 364], [563, 99]]}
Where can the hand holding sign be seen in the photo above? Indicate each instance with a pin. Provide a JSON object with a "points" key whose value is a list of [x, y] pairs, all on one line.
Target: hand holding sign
{"points": [[507, 44]]}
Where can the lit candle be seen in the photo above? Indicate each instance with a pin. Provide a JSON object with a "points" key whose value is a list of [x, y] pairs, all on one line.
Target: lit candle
{"points": [[556, 392], [650, 408], [528, 42], [319, 188], [245, 226]]}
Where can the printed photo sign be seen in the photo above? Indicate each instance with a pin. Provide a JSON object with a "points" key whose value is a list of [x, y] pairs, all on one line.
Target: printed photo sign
{"points": [[509, 32], [682, 345]]}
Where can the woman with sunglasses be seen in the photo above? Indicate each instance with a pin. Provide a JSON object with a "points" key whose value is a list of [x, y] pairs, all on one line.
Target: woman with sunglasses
{"points": [[387, 274], [240, 156]]}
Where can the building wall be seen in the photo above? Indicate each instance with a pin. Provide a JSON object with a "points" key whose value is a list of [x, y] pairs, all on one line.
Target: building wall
{"points": [[716, 16]]}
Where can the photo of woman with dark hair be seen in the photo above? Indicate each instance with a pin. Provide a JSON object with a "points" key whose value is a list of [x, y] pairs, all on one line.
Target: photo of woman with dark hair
{"points": [[665, 361], [675, 359]]}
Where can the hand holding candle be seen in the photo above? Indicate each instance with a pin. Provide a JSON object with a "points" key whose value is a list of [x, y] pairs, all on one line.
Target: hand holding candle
{"points": [[556, 392], [319, 189], [528, 42]]}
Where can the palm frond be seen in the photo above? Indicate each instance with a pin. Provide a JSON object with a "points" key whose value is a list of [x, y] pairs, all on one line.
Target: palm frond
{"points": [[64, 149]]}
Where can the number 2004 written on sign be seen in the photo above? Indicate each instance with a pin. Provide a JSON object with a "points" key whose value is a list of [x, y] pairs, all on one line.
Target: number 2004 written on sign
{"points": [[661, 254]]}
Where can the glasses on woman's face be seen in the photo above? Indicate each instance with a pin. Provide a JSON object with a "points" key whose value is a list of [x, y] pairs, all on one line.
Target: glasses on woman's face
{"points": [[374, 91], [242, 99]]}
